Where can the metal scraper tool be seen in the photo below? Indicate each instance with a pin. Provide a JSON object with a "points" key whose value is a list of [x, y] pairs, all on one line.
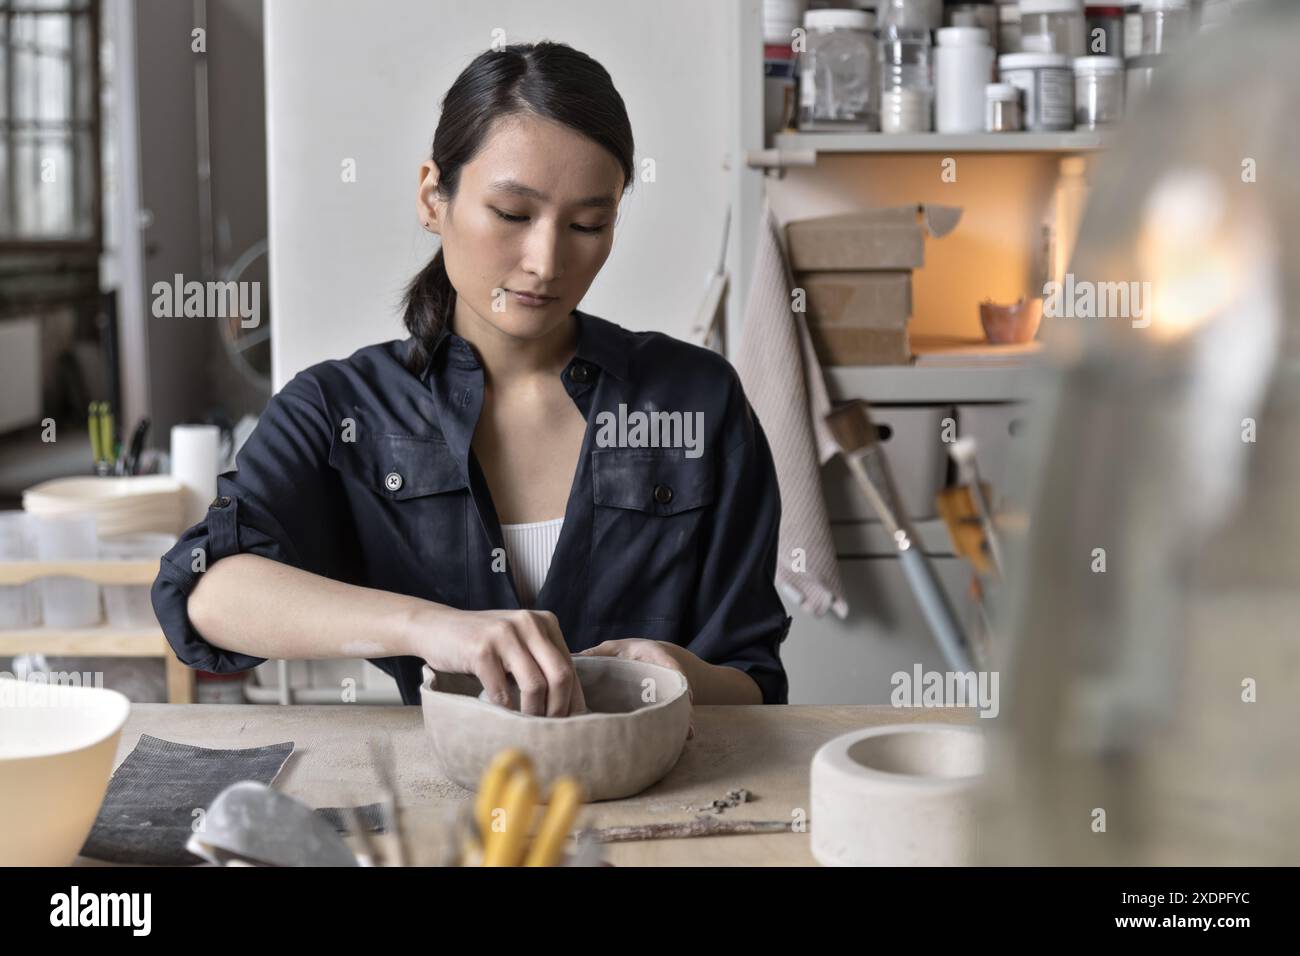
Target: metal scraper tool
{"points": [[249, 822]]}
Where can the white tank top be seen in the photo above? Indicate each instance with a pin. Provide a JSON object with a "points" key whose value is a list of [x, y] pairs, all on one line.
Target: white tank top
{"points": [[529, 548]]}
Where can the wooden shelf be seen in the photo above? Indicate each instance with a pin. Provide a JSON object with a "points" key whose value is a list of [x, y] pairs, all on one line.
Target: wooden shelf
{"points": [[102, 641], [944, 143], [85, 641], [128, 573], [906, 384]]}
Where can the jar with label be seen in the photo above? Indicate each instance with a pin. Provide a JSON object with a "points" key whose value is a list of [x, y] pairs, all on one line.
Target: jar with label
{"points": [[1165, 24], [1105, 23], [1001, 108], [837, 72], [906, 93], [1052, 26], [963, 63], [1098, 91], [1046, 81]]}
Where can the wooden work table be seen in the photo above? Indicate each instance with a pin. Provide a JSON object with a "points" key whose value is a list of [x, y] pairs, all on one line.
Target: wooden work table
{"points": [[764, 749]]}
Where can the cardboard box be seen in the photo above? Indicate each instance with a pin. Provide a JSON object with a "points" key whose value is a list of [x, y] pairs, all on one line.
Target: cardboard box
{"points": [[867, 300], [891, 238], [850, 345]]}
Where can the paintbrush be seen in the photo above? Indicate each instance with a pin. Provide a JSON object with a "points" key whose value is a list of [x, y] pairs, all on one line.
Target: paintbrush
{"points": [[855, 433], [963, 453]]}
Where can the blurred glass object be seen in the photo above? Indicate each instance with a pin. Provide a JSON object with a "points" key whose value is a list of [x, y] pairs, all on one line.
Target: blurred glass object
{"points": [[1152, 710]]}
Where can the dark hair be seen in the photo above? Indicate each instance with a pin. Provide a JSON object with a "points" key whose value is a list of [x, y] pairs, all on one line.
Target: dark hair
{"points": [[550, 80]]}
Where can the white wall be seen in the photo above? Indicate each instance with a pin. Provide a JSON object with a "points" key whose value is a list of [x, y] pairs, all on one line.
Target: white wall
{"points": [[364, 81]]}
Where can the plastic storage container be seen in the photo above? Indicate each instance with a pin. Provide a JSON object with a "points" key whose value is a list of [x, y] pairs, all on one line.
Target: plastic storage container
{"points": [[913, 14], [985, 14], [20, 604], [1052, 26], [963, 63], [1047, 82], [837, 72], [906, 92], [130, 606], [68, 601], [1165, 25], [1002, 109], [1098, 91]]}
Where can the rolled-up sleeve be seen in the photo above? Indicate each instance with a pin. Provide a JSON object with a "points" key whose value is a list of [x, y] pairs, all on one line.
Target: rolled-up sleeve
{"points": [[281, 502], [739, 618]]}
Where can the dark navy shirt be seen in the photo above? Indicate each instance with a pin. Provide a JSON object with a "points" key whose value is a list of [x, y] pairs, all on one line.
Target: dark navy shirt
{"points": [[361, 471]]}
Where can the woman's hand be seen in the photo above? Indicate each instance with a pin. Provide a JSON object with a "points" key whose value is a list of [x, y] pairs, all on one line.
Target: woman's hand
{"points": [[672, 656], [707, 683], [525, 644]]}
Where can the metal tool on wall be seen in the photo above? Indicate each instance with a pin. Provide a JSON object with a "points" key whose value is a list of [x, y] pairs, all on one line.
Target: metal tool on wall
{"points": [[856, 436]]}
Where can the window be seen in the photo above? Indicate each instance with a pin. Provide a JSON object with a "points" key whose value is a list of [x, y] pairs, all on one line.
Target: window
{"points": [[50, 210]]}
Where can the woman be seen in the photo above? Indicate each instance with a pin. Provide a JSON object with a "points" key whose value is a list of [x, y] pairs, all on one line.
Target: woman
{"points": [[517, 480]]}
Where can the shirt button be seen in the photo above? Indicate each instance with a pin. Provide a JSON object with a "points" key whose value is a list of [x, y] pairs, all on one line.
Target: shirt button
{"points": [[663, 494], [393, 481], [222, 501], [580, 373]]}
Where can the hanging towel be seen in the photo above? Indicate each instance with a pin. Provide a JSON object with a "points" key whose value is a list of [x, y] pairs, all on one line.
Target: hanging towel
{"points": [[783, 381]]}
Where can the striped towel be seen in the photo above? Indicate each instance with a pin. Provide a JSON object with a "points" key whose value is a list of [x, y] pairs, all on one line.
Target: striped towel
{"points": [[783, 381]]}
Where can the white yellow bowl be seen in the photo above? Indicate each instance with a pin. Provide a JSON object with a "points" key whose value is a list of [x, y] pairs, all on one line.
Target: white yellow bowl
{"points": [[57, 745]]}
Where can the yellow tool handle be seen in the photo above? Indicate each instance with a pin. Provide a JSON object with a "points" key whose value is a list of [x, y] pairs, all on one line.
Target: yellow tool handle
{"points": [[566, 800], [491, 789], [519, 801]]}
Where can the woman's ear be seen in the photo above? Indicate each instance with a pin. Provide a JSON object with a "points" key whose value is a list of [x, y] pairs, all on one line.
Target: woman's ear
{"points": [[426, 197]]}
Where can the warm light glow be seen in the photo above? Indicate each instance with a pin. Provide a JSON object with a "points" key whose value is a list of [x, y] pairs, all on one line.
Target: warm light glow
{"points": [[1191, 252]]}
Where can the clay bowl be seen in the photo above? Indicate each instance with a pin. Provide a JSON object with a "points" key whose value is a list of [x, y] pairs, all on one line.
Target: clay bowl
{"points": [[1011, 324], [57, 744], [897, 795], [623, 746]]}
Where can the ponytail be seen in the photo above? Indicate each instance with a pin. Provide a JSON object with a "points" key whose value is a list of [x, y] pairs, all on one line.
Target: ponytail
{"points": [[428, 305]]}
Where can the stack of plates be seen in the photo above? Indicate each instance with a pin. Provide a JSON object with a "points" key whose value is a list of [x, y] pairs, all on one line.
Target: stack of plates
{"points": [[121, 505]]}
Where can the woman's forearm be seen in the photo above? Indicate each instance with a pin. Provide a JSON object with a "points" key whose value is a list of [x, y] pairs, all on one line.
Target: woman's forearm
{"points": [[256, 606], [721, 684]]}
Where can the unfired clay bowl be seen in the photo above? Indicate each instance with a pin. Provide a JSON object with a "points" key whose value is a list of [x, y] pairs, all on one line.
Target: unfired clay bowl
{"points": [[898, 795], [57, 745], [622, 746]]}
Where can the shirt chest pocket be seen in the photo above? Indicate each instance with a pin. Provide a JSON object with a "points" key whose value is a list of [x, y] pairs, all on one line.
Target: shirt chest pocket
{"points": [[409, 501], [650, 515]]}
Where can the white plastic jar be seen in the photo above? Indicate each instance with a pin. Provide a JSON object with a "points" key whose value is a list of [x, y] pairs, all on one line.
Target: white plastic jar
{"points": [[963, 63], [1002, 108], [1098, 91], [1053, 26], [1046, 81], [838, 73], [1165, 25]]}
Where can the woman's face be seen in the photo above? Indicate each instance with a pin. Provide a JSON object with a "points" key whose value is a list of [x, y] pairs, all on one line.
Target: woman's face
{"points": [[534, 213]]}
